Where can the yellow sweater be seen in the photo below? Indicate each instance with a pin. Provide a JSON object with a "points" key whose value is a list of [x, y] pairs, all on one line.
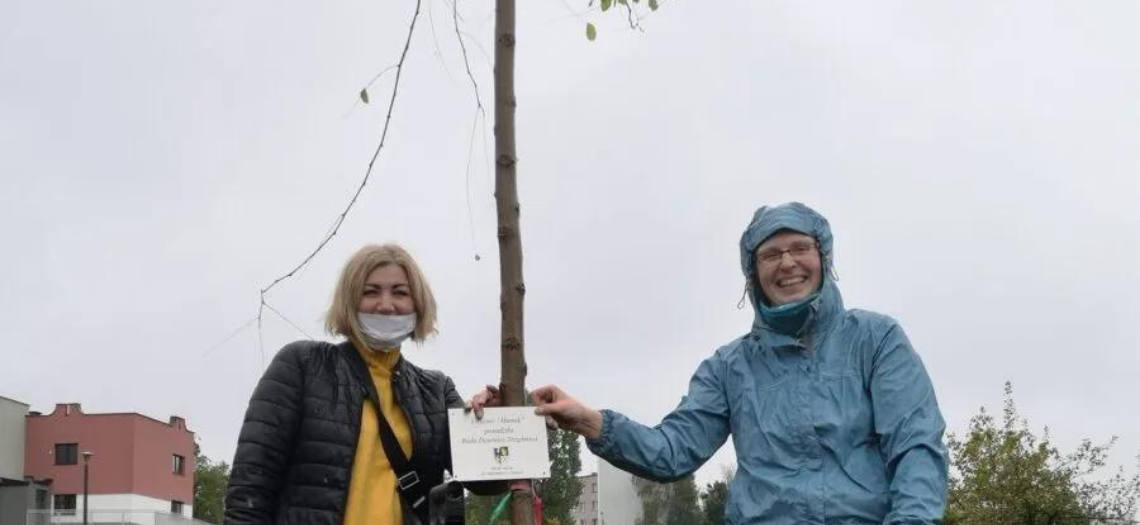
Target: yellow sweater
{"points": [[372, 496]]}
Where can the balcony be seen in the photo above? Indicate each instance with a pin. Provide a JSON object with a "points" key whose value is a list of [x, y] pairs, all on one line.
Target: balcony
{"points": [[109, 517]]}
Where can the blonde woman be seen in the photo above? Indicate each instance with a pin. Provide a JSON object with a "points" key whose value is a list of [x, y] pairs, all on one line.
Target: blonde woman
{"points": [[350, 433]]}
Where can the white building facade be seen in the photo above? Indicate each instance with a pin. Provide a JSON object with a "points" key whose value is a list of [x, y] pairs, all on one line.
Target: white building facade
{"points": [[618, 502], [12, 435]]}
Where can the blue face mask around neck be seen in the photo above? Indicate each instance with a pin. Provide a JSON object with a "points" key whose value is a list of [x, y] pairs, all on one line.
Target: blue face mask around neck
{"points": [[788, 318]]}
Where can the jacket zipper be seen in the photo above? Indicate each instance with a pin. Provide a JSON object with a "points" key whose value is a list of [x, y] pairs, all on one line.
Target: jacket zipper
{"points": [[398, 378]]}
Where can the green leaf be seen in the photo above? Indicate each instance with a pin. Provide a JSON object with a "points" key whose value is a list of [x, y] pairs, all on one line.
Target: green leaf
{"points": [[364, 95], [606, 5], [623, 2], [653, 5], [591, 31]]}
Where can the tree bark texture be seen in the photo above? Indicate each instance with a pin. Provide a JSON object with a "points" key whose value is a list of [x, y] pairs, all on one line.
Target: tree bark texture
{"points": [[513, 379]]}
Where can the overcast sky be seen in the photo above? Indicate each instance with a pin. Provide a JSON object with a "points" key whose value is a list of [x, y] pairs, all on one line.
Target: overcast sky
{"points": [[161, 162]]}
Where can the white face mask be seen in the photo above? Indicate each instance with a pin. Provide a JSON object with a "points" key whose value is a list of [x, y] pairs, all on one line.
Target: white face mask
{"points": [[385, 332]]}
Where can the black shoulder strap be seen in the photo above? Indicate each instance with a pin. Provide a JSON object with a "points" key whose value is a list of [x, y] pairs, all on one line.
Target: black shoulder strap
{"points": [[407, 480]]}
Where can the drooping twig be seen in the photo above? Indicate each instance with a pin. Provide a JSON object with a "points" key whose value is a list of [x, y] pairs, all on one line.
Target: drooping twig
{"points": [[229, 337], [480, 114], [482, 50], [367, 174], [435, 41], [466, 61], [286, 319], [634, 19]]}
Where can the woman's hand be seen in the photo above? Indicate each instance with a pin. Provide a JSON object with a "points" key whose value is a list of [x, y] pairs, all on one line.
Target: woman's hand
{"points": [[488, 397], [568, 413]]}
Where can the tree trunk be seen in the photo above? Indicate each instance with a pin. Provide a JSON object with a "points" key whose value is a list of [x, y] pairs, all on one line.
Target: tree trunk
{"points": [[513, 380]]}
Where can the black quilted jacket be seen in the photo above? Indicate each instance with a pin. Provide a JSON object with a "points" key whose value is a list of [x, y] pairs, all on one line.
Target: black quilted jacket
{"points": [[298, 442]]}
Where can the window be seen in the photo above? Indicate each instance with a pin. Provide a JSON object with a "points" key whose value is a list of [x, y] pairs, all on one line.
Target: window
{"points": [[42, 499], [176, 507], [178, 465], [64, 504], [66, 453]]}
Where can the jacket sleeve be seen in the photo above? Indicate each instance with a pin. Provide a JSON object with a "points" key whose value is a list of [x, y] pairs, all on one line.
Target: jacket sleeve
{"points": [[910, 428], [451, 396], [266, 440], [682, 442]]}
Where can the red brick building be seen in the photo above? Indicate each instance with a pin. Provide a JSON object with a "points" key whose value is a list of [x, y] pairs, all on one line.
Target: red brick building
{"points": [[136, 463]]}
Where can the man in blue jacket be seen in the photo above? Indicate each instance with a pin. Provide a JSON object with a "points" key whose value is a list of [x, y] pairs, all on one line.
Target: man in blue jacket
{"points": [[831, 412]]}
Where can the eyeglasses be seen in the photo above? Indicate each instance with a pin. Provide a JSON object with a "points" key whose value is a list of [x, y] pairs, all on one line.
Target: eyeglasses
{"points": [[799, 250]]}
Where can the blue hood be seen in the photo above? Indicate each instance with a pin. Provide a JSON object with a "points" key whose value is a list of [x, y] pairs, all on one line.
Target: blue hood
{"points": [[796, 217]]}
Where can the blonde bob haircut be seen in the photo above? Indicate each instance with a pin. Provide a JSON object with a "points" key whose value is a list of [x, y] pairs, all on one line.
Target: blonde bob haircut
{"points": [[341, 318]]}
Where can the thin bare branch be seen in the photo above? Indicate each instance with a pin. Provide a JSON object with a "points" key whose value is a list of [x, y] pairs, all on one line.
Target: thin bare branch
{"points": [[466, 60], [454, 9], [357, 101], [367, 174], [380, 74], [482, 50], [480, 115], [634, 19], [261, 334], [286, 319], [435, 42], [228, 338], [470, 154]]}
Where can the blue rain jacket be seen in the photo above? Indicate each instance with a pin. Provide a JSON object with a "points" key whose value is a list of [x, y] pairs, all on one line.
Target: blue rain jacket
{"points": [[839, 425]]}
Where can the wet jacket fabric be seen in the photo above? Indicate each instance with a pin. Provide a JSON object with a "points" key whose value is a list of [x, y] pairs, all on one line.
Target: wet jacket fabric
{"points": [[836, 425], [297, 444]]}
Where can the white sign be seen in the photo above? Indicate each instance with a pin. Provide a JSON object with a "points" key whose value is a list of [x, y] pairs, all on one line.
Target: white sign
{"points": [[508, 443]]}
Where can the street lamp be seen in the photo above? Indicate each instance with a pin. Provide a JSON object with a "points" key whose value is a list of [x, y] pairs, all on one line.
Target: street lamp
{"points": [[86, 460]]}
